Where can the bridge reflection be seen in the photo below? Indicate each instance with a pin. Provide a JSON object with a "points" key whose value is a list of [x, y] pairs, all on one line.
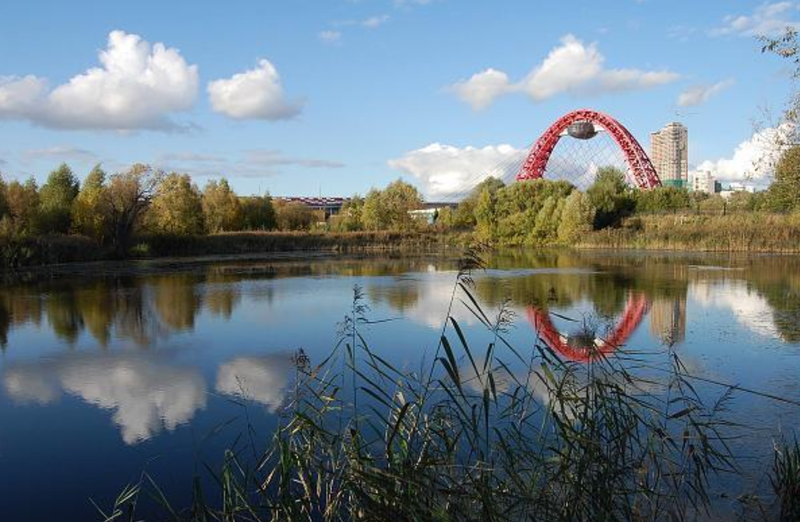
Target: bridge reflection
{"points": [[588, 346]]}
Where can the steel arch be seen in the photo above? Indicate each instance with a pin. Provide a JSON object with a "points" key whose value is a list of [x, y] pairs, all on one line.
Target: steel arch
{"points": [[644, 174]]}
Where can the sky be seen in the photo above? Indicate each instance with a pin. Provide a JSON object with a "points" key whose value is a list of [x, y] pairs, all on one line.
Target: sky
{"points": [[333, 97]]}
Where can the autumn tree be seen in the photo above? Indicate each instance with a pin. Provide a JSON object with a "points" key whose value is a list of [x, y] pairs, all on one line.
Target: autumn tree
{"points": [[3, 203], [221, 208], [293, 215], [258, 213], [55, 200], [127, 198], [89, 215], [177, 207], [22, 201]]}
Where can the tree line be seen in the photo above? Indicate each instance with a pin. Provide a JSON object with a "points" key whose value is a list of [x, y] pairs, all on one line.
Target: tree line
{"points": [[114, 209]]}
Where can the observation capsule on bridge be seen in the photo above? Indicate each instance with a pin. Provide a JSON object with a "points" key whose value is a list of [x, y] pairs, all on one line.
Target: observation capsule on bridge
{"points": [[582, 130]]}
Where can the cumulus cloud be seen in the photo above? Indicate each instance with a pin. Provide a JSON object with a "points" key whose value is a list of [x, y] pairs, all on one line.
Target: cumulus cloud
{"points": [[136, 86], [253, 94], [445, 170], [699, 94], [261, 379], [768, 19], [145, 393], [753, 159], [572, 67]]}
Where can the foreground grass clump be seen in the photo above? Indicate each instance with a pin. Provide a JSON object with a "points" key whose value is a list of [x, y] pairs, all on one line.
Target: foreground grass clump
{"points": [[495, 432]]}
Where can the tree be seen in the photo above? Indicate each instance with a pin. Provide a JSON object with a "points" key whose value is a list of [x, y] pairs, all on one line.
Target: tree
{"points": [[784, 193], [258, 213], [128, 196], [177, 207], [349, 218], [221, 208], [464, 214], [293, 215], [486, 214], [55, 200], [388, 209], [89, 217], [663, 199], [611, 196], [577, 218], [22, 201], [3, 202]]}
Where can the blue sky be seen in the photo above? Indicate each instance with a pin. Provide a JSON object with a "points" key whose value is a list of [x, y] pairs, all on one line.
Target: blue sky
{"points": [[335, 96]]}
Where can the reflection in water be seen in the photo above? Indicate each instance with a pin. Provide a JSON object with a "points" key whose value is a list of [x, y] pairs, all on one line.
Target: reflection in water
{"points": [[262, 379], [750, 309], [143, 392], [587, 345], [668, 319]]}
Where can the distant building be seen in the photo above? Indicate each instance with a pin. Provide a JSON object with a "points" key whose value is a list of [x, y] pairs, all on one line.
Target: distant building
{"points": [[330, 205], [669, 152], [735, 187], [703, 181]]}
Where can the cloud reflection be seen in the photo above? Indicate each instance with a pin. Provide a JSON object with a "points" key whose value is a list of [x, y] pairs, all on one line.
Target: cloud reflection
{"points": [[144, 392], [262, 379]]}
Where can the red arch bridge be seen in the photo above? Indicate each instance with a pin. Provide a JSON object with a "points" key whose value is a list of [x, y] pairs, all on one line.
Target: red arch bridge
{"points": [[583, 124], [585, 350]]}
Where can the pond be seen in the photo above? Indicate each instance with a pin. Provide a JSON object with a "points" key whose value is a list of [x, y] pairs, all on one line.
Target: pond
{"points": [[108, 370]]}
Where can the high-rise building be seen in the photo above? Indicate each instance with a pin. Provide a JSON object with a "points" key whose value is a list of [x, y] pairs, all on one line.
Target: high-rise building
{"points": [[669, 152], [703, 181]]}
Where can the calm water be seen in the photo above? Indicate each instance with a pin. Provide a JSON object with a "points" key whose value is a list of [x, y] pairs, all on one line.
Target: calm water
{"points": [[118, 369]]}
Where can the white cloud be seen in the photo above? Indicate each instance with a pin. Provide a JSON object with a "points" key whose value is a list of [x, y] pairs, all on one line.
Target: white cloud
{"points": [[699, 94], [446, 170], [375, 21], [747, 306], [330, 37], [261, 379], [144, 392], [253, 94], [137, 86], [753, 159], [483, 88], [572, 67], [768, 19]]}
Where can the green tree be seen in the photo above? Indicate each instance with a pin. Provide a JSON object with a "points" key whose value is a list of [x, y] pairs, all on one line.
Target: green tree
{"points": [[663, 199], [349, 218], [389, 208], [127, 198], [547, 220], [784, 193], [89, 216], [464, 214], [258, 213], [55, 200], [221, 208], [577, 218], [486, 214], [177, 207], [611, 196]]}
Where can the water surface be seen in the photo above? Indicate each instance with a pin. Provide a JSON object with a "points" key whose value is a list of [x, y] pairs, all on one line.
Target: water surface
{"points": [[108, 370]]}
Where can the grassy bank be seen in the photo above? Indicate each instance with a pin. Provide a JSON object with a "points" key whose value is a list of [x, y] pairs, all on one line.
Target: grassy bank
{"points": [[745, 232], [57, 249]]}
